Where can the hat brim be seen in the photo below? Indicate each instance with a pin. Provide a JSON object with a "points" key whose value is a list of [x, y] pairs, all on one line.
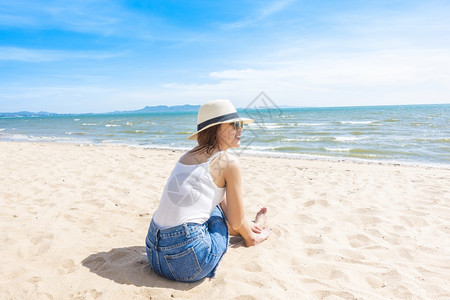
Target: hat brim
{"points": [[245, 120]]}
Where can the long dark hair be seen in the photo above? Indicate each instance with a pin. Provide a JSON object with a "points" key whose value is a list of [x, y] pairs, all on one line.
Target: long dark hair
{"points": [[207, 140]]}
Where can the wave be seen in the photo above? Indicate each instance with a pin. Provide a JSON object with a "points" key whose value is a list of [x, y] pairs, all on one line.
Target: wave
{"points": [[309, 139], [347, 138], [357, 122], [287, 148], [259, 148], [439, 140], [311, 124], [31, 138], [382, 153], [268, 140], [357, 132], [338, 149], [368, 151], [132, 131], [315, 133], [111, 141], [266, 125]]}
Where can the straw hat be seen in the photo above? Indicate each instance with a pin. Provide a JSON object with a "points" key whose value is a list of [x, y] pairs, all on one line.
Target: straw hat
{"points": [[216, 112]]}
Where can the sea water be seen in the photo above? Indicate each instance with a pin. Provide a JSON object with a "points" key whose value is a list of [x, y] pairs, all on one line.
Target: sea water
{"points": [[417, 134]]}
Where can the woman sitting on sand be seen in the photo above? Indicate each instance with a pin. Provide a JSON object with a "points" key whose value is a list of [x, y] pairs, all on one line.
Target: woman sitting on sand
{"points": [[202, 201]]}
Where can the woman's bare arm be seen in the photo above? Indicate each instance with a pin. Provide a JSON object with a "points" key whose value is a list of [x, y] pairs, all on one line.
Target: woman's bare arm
{"points": [[233, 207]]}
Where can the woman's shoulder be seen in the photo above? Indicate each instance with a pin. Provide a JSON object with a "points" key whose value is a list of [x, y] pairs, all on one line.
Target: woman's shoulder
{"points": [[227, 160], [224, 165]]}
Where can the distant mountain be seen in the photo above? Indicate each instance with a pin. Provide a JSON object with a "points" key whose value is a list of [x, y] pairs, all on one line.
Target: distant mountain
{"points": [[27, 114], [147, 109], [163, 108]]}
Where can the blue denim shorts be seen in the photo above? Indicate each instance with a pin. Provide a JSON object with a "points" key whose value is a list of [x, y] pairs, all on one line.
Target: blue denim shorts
{"points": [[188, 252]]}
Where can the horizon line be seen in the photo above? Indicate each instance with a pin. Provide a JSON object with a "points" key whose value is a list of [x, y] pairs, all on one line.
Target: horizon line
{"points": [[238, 108]]}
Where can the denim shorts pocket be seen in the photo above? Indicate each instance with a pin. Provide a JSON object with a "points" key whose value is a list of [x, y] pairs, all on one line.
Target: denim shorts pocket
{"points": [[184, 266]]}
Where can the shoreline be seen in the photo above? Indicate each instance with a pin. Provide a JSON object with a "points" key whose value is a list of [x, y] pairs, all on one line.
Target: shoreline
{"points": [[253, 153]]}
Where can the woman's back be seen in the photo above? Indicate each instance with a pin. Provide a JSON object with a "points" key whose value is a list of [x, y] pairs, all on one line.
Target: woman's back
{"points": [[190, 194]]}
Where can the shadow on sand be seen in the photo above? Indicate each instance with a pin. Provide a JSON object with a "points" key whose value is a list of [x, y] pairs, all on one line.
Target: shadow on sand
{"points": [[129, 265]]}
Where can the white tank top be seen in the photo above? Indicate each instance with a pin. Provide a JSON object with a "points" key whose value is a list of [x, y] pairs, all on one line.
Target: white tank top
{"points": [[189, 196]]}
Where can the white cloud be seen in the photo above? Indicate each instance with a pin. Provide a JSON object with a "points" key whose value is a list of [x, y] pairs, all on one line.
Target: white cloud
{"points": [[379, 77]]}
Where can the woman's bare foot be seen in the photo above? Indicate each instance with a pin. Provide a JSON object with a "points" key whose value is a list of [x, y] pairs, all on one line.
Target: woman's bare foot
{"points": [[259, 231], [261, 217]]}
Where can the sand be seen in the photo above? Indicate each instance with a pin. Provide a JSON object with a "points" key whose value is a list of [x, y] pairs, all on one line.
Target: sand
{"points": [[74, 220]]}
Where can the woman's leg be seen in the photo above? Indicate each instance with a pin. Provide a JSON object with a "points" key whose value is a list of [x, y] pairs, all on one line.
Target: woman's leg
{"points": [[232, 231], [218, 232]]}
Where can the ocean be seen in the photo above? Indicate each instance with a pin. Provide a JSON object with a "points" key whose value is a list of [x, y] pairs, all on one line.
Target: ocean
{"points": [[405, 134]]}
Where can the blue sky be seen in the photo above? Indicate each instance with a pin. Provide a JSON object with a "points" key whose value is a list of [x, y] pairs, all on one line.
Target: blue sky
{"points": [[100, 56]]}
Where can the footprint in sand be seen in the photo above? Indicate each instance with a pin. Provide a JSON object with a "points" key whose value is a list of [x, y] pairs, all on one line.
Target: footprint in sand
{"points": [[309, 203], [34, 279], [352, 255], [358, 240], [326, 229], [314, 252], [399, 228], [67, 266], [87, 294], [312, 239], [306, 219], [337, 274], [375, 282], [325, 294], [323, 202], [42, 242], [253, 267], [244, 297]]}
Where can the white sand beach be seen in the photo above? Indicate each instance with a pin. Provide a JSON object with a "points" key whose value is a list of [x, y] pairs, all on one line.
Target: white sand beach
{"points": [[74, 220]]}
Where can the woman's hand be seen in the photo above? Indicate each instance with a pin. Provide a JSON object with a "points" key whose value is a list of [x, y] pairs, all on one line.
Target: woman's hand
{"points": [[256, 228]]}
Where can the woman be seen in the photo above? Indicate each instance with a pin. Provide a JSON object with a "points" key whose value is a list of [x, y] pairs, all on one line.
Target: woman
{"points": [[202, 201]]}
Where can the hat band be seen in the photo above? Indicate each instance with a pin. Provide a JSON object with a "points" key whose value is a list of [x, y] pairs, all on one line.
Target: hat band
{"points": [[217, 120]]}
